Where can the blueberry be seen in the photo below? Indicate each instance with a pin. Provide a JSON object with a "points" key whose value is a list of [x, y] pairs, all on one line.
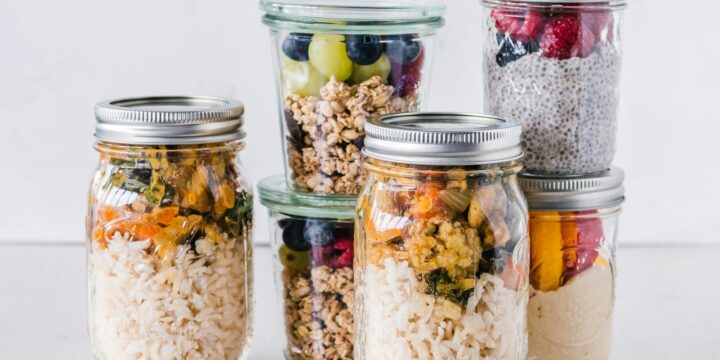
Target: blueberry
{"points": [[363, 49], [292, 234], [511, 50], [319, 232], [295, 46], [403, 49]]}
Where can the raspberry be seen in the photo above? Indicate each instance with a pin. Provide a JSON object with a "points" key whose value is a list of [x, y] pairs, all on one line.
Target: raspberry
{"points": [[561, 34], [519, 27], [405, 78]]}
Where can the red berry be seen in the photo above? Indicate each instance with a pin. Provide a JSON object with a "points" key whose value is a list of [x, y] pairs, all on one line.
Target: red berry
{"points": [[519, 26], [343, 260], [561, 34], [406, 78], [343, 244]]}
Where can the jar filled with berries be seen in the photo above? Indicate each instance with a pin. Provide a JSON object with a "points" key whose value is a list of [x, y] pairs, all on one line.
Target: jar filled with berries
{"points": [[555, 67], [338, 64]]}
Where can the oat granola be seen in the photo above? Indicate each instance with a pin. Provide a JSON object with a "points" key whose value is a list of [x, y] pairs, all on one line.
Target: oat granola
{"points": [[326, 133], [318, 313]]}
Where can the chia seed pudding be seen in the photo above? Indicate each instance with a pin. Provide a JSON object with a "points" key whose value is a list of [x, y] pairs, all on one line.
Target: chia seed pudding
{"points": [[557, 74]]}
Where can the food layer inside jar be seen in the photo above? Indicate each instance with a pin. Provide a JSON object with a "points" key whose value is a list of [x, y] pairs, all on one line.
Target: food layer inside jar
{"points": [[556, 71], [332, 84], [316, 257], [170, 196], [570, 310], [170, 261], [444, 257]]}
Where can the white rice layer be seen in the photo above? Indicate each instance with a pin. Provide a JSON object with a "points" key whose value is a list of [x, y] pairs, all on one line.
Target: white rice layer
{"points": [[402, 323], [197, 307]]}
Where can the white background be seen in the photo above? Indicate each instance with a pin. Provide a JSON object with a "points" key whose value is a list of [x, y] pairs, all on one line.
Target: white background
{"points": [[57, 58]]}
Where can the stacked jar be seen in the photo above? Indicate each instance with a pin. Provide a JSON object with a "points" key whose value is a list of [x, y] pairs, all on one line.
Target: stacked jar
{"points": [[554, 65], [169, 249], [338, 65]]}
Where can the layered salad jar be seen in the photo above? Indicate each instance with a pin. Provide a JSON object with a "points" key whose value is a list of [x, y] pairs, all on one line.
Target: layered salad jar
{"points": [[339, 64], [312, 239], [555, 67], [169, 253], [441, 245], [573, 231]]}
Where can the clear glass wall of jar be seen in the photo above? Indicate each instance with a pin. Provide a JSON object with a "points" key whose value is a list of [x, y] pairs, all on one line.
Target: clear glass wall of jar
{"points": [[554, 65], [312, 237], [169, 251], [441, 262], [573, 232], [337, 64]]}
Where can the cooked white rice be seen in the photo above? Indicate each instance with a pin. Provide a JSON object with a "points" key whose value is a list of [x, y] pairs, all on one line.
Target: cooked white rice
{"points": [[195, 308], [403, 323]]}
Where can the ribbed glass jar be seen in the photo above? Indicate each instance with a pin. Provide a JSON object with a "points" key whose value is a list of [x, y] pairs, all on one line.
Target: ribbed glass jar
{"points": [[169, 251], [573, 233], [441, 262]]}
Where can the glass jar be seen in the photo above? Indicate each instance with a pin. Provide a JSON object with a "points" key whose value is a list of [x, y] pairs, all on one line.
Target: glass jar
{"points": [[169, 253], [338, 64], [441, 262], [555, 67], [573, 231], [312, 239]]}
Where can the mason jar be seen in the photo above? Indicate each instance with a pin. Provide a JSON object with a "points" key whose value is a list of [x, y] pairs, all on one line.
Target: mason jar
{"points": [[169, 253], [312, 243], [441, 244], [554, 65], [573, 231], [339, 63]]}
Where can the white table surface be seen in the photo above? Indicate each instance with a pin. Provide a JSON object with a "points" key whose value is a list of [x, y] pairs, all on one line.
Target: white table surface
{"points": [[668, 304]]}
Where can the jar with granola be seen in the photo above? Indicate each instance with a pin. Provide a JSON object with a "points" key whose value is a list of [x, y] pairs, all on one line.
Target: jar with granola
{"points": [[312, 238], [441, 263], [338, 64], [169, 253], [554, 65], [573, 230]]}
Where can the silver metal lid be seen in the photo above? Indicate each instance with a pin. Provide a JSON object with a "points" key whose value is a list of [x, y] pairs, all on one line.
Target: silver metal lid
{"points": [[451, 139], [169, 120], [585, 192]]}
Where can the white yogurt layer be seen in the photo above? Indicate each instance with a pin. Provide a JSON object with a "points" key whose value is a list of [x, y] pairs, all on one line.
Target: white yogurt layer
{"points": [[574, 322]]}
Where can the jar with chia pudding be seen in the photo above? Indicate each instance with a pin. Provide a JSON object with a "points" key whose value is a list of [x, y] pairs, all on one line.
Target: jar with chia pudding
{"points": [[441, 245], [169, 251], [338, 64], [312, 239], [555, 67], [573, 231]]}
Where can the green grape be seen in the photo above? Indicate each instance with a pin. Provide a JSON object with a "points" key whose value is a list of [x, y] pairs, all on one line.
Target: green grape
{"points": [[364, 72], [301, 78], [294, 260], [328, 55]]}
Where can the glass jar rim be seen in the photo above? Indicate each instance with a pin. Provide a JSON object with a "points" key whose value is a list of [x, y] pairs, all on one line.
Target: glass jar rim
{"points": [[276, 195], [354, 16], [585, 5]]}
